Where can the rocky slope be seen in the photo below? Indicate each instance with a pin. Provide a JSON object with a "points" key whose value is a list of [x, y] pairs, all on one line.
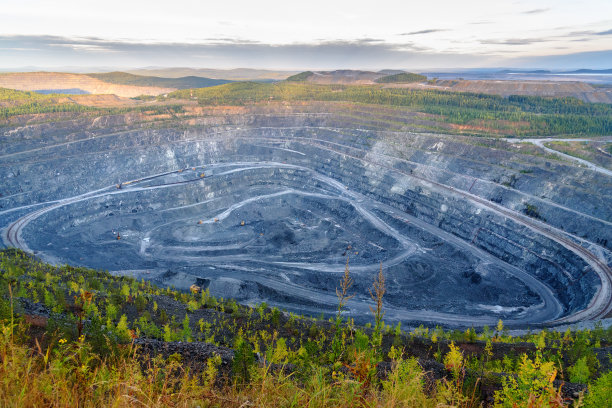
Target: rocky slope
{"points": [[267, 203]]}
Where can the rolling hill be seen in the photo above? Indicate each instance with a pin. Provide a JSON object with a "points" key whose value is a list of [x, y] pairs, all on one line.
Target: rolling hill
{"points": [[124, 78]]}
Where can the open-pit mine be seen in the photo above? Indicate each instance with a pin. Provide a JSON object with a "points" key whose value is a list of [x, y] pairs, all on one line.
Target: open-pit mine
{"points": [[270, 203]]}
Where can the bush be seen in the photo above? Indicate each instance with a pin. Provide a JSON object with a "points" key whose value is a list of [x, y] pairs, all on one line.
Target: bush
{"points": [[243, 359], [404, 385], [533, 386], [600, 393], [579, 372]]}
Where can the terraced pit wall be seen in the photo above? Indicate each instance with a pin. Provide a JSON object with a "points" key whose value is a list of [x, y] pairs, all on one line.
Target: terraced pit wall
{"points": [[427, 178]]}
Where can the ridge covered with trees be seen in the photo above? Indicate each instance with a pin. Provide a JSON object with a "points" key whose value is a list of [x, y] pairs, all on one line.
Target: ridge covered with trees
{"points": [[302, 76], [535, 115], [124, 78], [520, 116], [13, 103], [401, 78]]}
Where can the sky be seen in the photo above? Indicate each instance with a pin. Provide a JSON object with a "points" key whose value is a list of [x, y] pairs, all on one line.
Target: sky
{"points": [[314, 34]]}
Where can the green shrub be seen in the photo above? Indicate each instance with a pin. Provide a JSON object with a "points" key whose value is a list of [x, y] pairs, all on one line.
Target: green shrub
{"points": [[404, 385], [243, 359], [275, 316], [579, 372], [141, 303], [186, 334], [533, 386], [122, 330], [600, 393]]}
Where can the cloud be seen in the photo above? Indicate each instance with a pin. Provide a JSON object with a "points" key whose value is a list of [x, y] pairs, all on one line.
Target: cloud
{"points": [[515, 41], [536, 11], [578, 33], [428, 31], [227, 40], [93, 53], [583, 33], [85, 47], [369, 40], [220, 52]]}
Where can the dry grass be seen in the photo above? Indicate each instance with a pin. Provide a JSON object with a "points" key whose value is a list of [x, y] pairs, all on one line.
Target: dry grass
{"points": [[69, 374]]}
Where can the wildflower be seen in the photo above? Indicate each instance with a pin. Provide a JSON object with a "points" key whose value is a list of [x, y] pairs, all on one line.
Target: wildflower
{"points": [[62, 341]]}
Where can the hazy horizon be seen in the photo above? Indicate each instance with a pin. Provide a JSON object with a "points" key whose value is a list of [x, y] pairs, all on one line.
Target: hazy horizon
{"points": [[269, 35]]}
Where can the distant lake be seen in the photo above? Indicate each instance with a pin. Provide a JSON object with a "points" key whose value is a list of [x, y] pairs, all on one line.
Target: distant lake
{"points": [[70, 91]]}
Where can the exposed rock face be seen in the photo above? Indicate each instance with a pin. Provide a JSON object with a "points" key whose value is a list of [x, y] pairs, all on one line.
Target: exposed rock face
{"points": [[193, 356], [285, 199]]}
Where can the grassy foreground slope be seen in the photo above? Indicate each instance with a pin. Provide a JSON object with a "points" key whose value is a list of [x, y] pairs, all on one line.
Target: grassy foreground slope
{"points": [[515, 115], [77, 337]]}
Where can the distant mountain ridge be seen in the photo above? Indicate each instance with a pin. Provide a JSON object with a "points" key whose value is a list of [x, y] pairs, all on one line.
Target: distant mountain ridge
{"points": [[236, 74], [356, 77], [125, 78], [590, 71]]}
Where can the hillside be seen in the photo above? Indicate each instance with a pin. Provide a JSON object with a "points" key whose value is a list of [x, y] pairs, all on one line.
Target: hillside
{"points": [[579, 90], [124, 78], [301, 77], [505, 88], [106, 337], [491, 114], [203, 211], [343, 76], [353, 77], [402, 77], [237, 74], [34, 81]]}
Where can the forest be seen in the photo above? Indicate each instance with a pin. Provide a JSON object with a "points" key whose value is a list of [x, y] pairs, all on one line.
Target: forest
{"points": [[519, 116], [403, 77], [124, 78], [544, 116]]}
